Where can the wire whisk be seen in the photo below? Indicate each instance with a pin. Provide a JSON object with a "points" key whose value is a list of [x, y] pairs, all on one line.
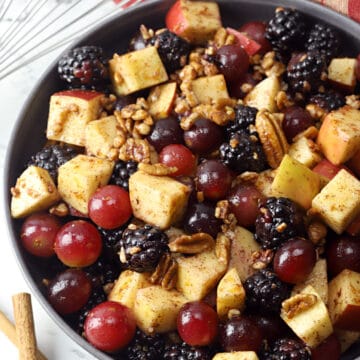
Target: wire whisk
{"points": [[39, 27]]}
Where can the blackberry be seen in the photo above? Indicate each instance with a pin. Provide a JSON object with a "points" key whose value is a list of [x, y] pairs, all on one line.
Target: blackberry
{"points": [[185, 352], [111, 237], [145, 347], [51, 157], [84, 68], [122, 172], [279, 219], [142, 247], [172, 49], [324, 39], [244, 120], [305, 72], [286, 31], [330, 100], [243, 153], [265, 292], [287, 349]]}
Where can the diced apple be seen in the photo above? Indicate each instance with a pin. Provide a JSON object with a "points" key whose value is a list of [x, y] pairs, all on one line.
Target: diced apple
{"points": [[344, 300], [326, 169], [249, 45], [305, 151], [243, 245], [70, 111], [339, 134], [161, 100], [156, 309], [210, 88], [136, 70], [80, 177], [195, 21], [296, 182], [99, 137], [338, 203], [34, 191], [307, 316], [208, 269], [230, 294], [317, 279], [158, 200], [264, 180], [263, 95], [342, 73], [127, 286], [236, 355]]}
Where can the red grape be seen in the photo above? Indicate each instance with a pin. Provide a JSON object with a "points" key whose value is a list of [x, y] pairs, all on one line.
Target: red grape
{"points": [[243, 200], [110, 207], [213, 179], [294, 260], [110, 326], [296, 120], [197, 323], [256, 31], [38, 234], [78, 243], [69, 291], [179, 156]]}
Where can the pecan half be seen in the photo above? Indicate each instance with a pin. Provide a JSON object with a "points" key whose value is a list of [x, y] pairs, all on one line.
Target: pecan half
{"points": [[157, 169], [297, 304], [192, 244], [165, 273]]}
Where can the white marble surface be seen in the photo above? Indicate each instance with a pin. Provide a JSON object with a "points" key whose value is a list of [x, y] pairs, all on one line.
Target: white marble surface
{"points": [[14, 90]]}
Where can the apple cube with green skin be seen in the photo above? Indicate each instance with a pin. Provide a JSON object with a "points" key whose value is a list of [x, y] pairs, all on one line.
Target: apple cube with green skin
{"points": [[236, 355], [69, 113], [34, 191], [296, 182], [342, 73], [338, 202], [344, 300], [136, 70], [230, 294], [339, 135], [161, 100], [195, 21], [208, 89], [311, 324], [263, 95], [80, 177]]}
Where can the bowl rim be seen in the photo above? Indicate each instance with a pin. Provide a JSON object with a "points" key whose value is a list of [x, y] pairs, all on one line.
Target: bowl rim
{"points": [[309, 7]]}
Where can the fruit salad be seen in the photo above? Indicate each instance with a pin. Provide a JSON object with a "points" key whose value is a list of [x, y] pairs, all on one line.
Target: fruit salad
{"points": [[198, 196]]}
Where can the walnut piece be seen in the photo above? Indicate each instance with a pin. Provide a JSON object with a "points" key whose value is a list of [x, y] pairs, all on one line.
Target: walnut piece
{"points": [[192, 244], [222, 248], [298, 303], [157, 169]]}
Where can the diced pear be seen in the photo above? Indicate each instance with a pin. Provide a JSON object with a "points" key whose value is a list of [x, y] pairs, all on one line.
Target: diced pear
{"points": [[158, 200], [161, 100], [136, 70], [230, 294], [317, 279], [309, 318], [80, 177], [305, 151], [99, 137], [344, 300], [243, 245], [236, 355], [127, 286], [263, 95], [156, 309], [198, 274], [34, 191], [338, 203], [342, 73], [70, 111], [339, 134], [296, 182], [210, 88]]}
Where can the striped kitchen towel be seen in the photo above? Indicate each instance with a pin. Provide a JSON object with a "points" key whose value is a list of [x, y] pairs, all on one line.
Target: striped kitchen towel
{"points": [[350, 8]]}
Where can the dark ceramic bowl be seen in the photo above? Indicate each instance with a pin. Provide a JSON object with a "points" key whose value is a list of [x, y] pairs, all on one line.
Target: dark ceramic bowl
{"points": [[28, 135]]}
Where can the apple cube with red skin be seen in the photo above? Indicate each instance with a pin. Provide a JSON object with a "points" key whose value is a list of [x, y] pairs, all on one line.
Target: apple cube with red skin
{"points": [[70, 111], [344, 300], [327, 169], [195, 21], [354, 164], [342, 74], [249, 45]]}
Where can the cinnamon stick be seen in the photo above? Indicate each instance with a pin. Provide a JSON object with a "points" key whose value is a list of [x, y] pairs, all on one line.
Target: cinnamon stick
{"points": [[8, 328], [24, 324]]}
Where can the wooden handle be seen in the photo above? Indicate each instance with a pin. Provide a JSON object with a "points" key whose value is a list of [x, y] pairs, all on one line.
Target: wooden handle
{"points": [[24, 324]]}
